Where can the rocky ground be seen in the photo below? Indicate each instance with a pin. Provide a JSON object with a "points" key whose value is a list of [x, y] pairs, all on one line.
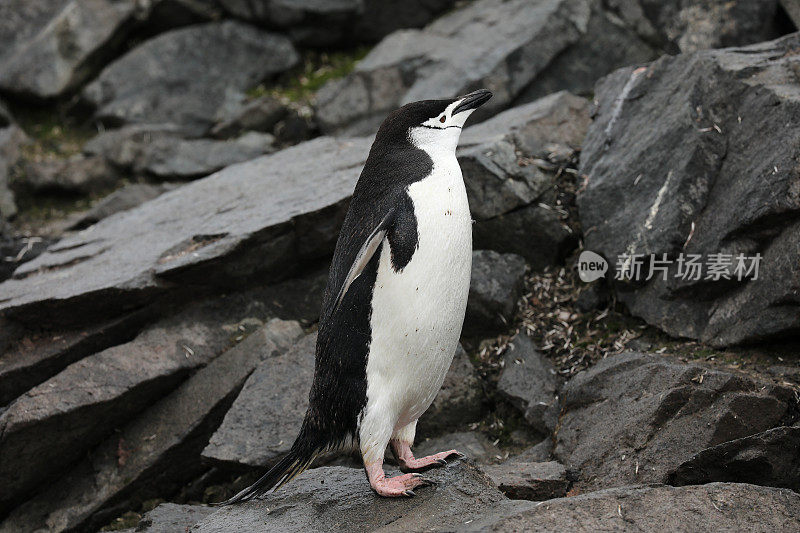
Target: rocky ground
{"points": [[173, 174]]}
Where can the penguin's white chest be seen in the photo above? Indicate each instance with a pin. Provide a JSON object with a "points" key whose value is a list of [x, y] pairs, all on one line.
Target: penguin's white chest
{"points": [[418, 312]]}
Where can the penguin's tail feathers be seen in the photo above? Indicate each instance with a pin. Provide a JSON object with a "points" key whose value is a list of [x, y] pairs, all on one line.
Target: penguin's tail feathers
{"points": [[288, 468]]}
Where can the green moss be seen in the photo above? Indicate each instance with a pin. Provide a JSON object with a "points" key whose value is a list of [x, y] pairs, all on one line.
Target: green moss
{"points": [[300, 84], [53, 133]]}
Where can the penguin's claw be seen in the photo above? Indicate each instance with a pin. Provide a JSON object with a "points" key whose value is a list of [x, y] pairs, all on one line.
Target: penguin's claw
{"points": [[392, 487], [410, 463], [410, 493]]}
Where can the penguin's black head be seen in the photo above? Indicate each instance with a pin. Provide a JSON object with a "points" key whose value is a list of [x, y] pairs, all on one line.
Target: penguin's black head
{"points": [[431, 124]]}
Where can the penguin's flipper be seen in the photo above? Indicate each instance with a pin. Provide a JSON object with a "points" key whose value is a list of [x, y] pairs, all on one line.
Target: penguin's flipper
{"points": [[365, 254]]}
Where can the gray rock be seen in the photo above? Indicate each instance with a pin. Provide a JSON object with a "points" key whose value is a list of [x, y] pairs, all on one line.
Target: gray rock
{"points": [[5, 115], [329, 22], [635, 417], [32, 358], [186, 76], [261, 114], [792, 8], [540, 453], [510, 196], [49, 47], [76, 175], [159, 451], [460, 401], [339, 498], [672, 129], [770, 458], [692, 25], [124, 147], [263, 422], [474, 445], [528, 480], [12, 139], [173, 518], [496, 285], [712, 507], [502, 46], [530, 383], [175, 158], [128, 197], [85, 401], [259, 217]]}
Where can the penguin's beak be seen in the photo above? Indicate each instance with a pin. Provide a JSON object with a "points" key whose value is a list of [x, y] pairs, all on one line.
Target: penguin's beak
{"points": [[472, 101]]}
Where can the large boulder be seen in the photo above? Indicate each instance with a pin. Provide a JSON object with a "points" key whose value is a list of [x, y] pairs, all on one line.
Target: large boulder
{"points": [[712, 507], [128, 197], [634, 418], [329, 22], [187, 76], [156, 453], [49, 47], [340, 499], [500, 45], [769, 458], [694, 157]]}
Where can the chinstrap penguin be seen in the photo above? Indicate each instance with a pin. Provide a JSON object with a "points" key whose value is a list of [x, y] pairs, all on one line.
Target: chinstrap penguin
{"points": [[394, 303]]}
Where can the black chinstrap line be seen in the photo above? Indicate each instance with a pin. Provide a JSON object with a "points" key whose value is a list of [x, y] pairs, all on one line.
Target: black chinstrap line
{"points": [[437, 128]]}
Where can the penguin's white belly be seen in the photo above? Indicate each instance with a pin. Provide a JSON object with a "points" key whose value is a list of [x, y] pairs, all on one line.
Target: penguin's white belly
{"points": [[418, 312]]}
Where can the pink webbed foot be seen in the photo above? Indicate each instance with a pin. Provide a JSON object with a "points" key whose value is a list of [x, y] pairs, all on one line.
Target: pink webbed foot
{"points": [[392, 487], [409, 463]]}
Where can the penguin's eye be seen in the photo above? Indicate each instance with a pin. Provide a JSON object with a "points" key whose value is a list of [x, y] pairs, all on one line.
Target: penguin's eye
{"points": [[442, 119]]}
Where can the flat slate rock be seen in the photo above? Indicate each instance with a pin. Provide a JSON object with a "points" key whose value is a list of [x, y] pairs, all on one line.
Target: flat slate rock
{"points": [[712, 507], [770, 458], [714, 180], [523, 480], [128, 197], [32, 358], [187, 76], [503, 46], [261, 217], [173, 518], [157, 452], [634, 417], [261, 425], [340, 499]]}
